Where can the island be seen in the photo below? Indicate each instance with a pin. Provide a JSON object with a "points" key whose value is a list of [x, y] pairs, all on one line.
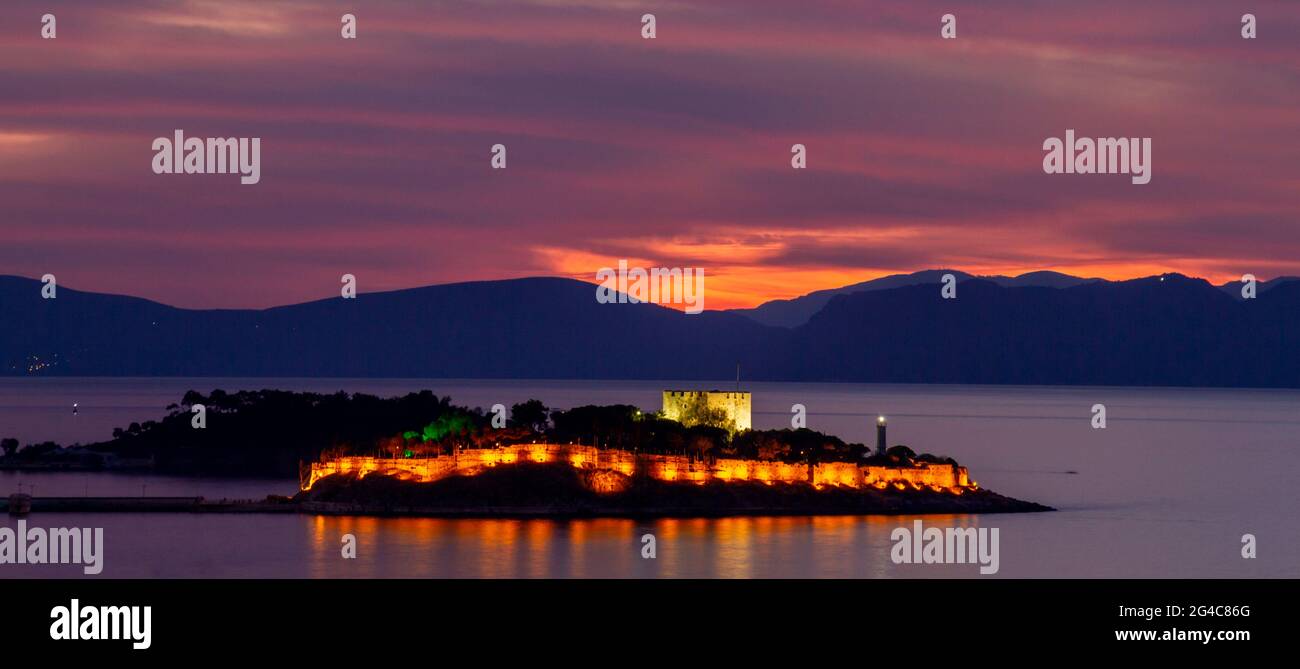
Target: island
{"points": [[420, 454]]}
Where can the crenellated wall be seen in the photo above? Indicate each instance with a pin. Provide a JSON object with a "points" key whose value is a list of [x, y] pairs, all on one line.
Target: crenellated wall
{"points": [[663, 467]]}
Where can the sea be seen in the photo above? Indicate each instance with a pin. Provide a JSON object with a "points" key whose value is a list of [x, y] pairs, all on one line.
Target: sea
{"points": [[1179, 483]]}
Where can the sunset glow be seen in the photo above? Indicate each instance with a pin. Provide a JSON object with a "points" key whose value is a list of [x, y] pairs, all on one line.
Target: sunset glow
{"points": [[922, 153]]}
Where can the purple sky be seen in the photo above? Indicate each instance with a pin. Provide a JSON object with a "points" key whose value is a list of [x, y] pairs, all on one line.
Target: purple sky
{"points": [[923, 152]]}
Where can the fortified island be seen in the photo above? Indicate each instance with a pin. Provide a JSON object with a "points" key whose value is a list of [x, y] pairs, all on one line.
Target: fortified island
{"points": [[882, 481], [419, 454], [734, 408]]}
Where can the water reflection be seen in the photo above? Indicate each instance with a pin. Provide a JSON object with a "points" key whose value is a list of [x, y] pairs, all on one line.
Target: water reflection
{"points": [[732, 547], [1124, 510]]}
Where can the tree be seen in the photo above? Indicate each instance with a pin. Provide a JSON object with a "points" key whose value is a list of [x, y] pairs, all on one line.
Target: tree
{"points": [[531, 414], [34, 451], [9, 445], [613, 426], [705, 441], [901, 453], [698, 412]]}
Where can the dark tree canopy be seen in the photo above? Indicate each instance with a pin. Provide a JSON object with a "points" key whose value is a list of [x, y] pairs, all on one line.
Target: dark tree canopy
{"points": [[271, 432], [532, 415]]}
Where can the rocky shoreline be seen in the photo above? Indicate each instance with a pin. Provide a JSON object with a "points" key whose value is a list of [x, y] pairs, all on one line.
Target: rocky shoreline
{"points": [[532, 491]]}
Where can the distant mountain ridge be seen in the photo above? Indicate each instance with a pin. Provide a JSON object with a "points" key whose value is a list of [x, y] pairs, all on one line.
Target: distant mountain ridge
{"points": [[796, 311], [1045, 329], [1157, 331], [524, 328]]}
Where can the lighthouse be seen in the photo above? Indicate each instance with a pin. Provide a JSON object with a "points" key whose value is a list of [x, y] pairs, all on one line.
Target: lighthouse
{"points": [[880, 436]]}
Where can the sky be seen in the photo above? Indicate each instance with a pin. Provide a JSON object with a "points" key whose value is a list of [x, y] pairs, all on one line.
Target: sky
{"points": [[673, 152]]}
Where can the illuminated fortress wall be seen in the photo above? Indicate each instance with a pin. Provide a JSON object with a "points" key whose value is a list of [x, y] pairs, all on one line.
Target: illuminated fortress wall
{"points": [[735, 404], [662, 467]]}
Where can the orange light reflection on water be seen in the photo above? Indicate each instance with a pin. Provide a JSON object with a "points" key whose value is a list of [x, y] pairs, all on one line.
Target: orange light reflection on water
{"points": [[727, 547]]}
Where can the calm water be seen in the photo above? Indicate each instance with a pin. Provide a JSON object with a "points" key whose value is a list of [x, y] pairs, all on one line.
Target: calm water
{"points": [[1166, 490]]}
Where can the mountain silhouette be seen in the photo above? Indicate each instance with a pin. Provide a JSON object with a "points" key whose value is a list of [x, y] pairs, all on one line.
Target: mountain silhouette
{"points": [[1157, 331], [1169, 330], [796, 311], [524, 328]]}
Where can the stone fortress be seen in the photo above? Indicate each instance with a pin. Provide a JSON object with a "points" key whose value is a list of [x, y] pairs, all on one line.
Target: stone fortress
{"points": [[686, 406]]}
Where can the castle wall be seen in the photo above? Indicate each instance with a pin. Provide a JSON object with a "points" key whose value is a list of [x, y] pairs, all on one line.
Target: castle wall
{"points": [[661, 467], [934, 475]]}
